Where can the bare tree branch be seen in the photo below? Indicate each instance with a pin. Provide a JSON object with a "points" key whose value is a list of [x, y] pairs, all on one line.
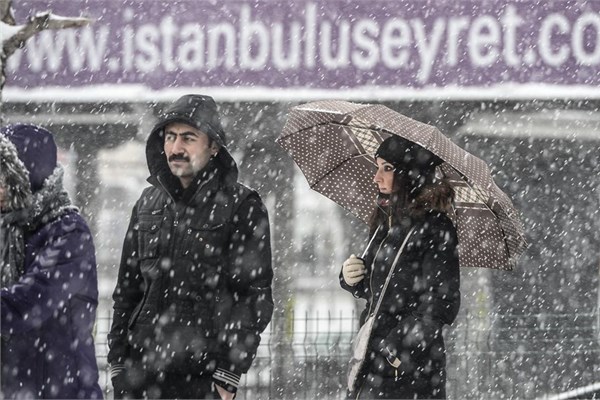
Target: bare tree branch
{"points": [[15, 36], [6, 12], [37, 24]]}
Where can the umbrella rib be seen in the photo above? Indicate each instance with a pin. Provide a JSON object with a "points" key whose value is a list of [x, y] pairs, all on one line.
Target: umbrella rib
{"points": [[486, 205], [334, 168], [354, 140], [325, 123], [308, 128], [506, 249]]}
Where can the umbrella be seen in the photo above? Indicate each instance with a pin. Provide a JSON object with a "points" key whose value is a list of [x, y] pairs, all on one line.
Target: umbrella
{"points": [[334, 142]]}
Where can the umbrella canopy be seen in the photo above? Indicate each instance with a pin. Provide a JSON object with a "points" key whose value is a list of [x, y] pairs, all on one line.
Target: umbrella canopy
{"points": [[334, 142]]}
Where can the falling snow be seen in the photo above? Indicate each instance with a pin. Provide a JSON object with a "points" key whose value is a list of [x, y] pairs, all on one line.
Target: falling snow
{"points": [[531, 113]]}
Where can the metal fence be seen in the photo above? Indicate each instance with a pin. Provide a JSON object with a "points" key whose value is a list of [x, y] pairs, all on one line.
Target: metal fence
{"points": [[501, 356]]}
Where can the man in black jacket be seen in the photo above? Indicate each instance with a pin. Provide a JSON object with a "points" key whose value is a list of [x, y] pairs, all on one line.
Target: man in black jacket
{"points": [[194, 288]]}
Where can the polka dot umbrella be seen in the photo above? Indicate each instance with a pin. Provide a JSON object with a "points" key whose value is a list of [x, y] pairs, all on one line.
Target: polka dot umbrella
{"points": [[333, 143]]}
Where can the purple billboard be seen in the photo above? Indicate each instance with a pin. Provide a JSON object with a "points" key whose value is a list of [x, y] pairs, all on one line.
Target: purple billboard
{"points": [[313, 45]]}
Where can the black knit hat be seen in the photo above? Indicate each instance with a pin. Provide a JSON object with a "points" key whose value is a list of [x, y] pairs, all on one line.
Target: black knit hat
{"points": [[407, 156]]}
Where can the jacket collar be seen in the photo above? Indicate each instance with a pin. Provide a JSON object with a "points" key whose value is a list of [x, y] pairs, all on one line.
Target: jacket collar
{"points": [[203, 185]]}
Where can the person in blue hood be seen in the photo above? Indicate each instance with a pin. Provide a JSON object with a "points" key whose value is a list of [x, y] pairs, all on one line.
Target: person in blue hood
{"points": [[48, 275], [193, 293]]}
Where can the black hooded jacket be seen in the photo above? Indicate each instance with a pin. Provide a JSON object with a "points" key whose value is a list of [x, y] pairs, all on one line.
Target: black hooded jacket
{"points": [[194, 287]]}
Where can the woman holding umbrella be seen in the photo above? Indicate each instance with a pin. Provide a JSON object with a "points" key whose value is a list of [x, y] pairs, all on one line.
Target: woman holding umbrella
{"points": [[409, 276]]}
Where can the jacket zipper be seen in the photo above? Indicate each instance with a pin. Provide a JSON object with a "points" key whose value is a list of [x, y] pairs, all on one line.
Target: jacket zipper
{"points": [[371, 275], [138, 310], [358, 394], [172, 231]]}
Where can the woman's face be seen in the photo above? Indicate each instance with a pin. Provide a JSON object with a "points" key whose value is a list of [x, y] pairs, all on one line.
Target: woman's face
{"points": [[384, 177]]}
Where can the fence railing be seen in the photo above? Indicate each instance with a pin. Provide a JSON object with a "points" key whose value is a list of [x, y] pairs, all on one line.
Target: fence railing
{"points": [[501, 356]]}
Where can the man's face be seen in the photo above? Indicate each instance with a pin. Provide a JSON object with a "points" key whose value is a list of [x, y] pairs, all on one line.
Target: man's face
{"points": [[188, 150]]}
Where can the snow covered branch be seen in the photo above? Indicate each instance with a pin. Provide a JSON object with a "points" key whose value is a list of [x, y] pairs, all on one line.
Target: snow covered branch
{"points": [[15, 36], [6, 12], [36, 24]]}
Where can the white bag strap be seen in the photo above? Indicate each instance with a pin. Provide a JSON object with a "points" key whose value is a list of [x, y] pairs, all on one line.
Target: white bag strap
{"points": [[364, 254], [389, 277]]}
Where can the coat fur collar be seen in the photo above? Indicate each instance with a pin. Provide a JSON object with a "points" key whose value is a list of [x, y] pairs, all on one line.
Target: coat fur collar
{"points": [[14, 177]]}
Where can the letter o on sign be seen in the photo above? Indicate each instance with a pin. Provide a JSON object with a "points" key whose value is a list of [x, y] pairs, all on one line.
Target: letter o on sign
{"points": [[581, 31]]}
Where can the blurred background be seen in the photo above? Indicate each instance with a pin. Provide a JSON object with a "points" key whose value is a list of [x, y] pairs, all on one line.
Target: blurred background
{"points": [[523, 96]]}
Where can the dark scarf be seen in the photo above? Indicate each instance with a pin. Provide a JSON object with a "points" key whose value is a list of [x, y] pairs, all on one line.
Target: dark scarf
{"points": [[49, 203], [13, 247]]}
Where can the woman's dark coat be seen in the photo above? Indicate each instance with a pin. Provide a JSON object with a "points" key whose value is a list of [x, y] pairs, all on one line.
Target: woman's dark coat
{"points": [[422, 296]]}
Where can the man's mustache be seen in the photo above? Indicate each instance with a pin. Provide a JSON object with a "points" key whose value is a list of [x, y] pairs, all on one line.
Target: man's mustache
{"points": [[178, 157]]}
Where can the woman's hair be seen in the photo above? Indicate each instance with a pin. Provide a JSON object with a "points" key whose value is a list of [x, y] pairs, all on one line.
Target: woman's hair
{"points": [[414, 202], [416, 188], [407, 201]]}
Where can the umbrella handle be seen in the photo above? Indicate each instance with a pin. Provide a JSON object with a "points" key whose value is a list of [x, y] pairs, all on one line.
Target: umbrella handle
{"points": [[364, 254]]}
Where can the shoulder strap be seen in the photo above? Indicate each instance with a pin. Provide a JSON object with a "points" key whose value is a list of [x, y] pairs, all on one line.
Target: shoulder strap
{"points": [[364, 254], [389, 277]]}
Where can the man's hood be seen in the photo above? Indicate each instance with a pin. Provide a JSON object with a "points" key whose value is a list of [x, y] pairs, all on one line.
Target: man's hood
{"points": [[159, 167], [201, 113], [198, 111]]}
